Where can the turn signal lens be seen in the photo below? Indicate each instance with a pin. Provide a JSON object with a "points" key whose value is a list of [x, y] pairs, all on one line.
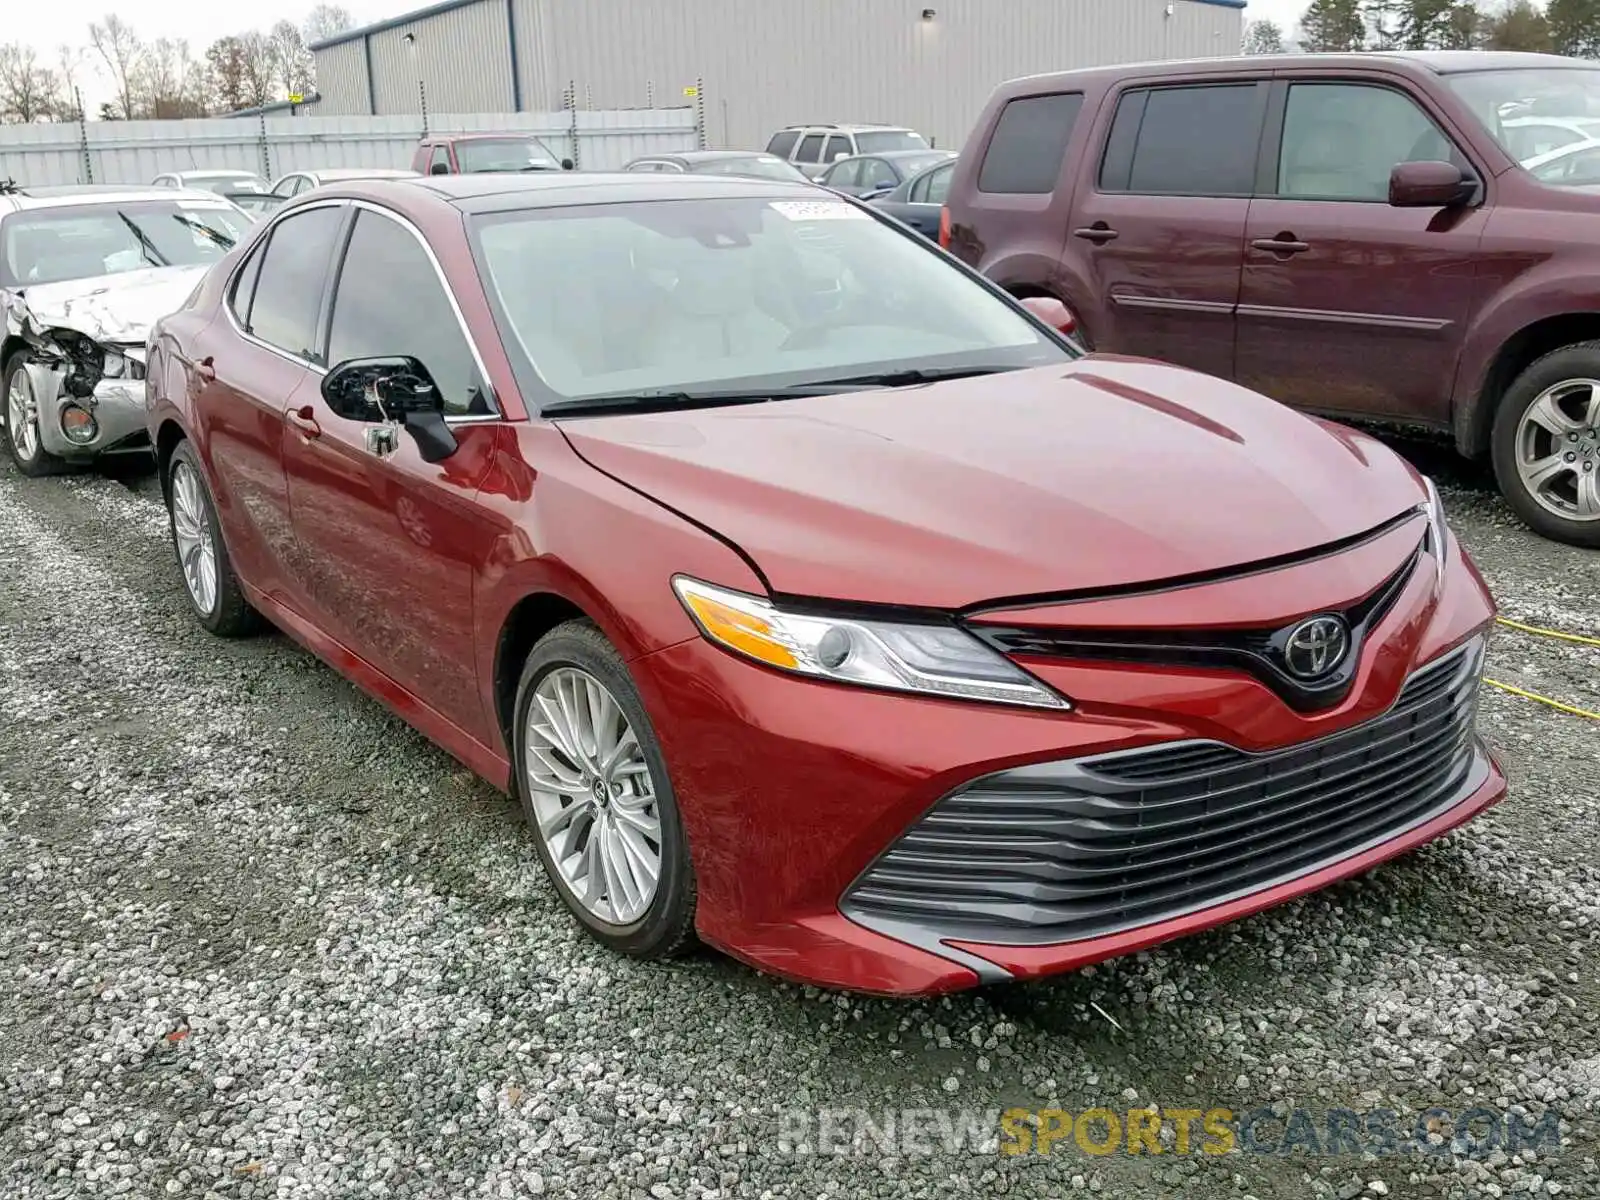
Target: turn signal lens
{"points": [[738, 629], [944, 226]]}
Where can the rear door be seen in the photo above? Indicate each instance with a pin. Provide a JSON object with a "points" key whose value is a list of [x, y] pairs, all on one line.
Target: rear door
{"points": [[1157, 229], [808, 154], [923, 200], [1349, 306]]}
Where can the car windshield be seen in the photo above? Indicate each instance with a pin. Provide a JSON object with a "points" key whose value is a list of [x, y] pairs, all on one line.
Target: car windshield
{"points": [[881, 141], [504, 154], [1531, 112], [642, 301], [82, 241], [762, 166]]}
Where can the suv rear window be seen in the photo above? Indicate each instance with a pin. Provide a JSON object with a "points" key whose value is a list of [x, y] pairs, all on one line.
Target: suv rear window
{"points": [[1029, 142], [1186, 141]]}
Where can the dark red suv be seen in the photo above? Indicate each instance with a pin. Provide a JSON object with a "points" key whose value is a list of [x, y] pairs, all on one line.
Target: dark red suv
{"points": [[1409, 238]]}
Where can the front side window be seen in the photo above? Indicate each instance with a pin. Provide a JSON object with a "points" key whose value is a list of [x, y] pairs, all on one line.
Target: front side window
{"points": [[504, 154], [439, 159], [836, 146], [1341, 141], [83, 241], [390, 301], [695, 295], [1030, 139], [842, 174], [1185, 141], [294, 270], [875, 173], [1506, 102], [1570, 166]]}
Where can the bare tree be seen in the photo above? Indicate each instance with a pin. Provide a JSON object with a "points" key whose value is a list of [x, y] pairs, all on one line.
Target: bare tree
{"points": [[326, 21], [259, 68], [28, 91], [69, 65], [123, 53], [291, 59], [170, 85], [230, 84]]}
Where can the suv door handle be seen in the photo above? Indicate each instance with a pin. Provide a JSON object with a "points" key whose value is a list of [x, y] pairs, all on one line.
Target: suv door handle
{"points": [[305, 421], [1282, 244], [1099, 233]]}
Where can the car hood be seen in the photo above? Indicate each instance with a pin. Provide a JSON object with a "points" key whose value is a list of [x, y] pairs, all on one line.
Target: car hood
{"points": [[1102, 473], [117, 309]]}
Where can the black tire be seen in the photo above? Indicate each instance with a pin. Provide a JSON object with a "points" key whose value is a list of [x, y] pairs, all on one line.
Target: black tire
{"points": [[42, 462], [230, 615], [1580, 361], [666, 928]]}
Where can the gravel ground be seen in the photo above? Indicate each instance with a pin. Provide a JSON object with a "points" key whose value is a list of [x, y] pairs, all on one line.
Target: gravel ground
{"points": [[262, 940]]}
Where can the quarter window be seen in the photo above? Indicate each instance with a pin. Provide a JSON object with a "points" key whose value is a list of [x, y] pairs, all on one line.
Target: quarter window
{"points": [[934, 187], [1188, 141], [390, 301], [1341, 141], [1029, 142], [244, 285], [294, 269]]}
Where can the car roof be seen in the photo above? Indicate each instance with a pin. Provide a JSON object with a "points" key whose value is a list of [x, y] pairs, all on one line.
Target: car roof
{"points": [[552, 189], [359, 173], [694, 156], [209, 174], [858, 128], [1438, 62], [476, 134]]}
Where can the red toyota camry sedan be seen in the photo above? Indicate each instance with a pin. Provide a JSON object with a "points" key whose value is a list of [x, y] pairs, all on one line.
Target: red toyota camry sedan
{"points": [[816, 599]]}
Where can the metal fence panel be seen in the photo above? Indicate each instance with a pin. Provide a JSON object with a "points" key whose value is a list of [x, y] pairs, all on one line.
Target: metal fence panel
{"points": [[135, 152]]}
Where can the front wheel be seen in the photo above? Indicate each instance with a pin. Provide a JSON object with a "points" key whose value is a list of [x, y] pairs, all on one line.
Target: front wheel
{"points": [[596, 795], [1546, 445], [22, 423]]}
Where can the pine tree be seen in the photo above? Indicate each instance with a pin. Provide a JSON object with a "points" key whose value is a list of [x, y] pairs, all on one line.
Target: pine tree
{"points": [[1332, 25], [1575, 27]]}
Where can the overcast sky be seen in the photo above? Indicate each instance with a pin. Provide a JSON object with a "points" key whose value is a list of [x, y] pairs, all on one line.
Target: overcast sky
{"points": [[47, 24]]}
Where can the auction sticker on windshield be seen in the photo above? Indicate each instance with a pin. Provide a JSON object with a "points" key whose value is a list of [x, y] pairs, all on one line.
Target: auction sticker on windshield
{"points": [[818, 210]]}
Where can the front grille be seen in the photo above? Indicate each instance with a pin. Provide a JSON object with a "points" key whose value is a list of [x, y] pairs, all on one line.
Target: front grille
{"points": [[1060, 851]]}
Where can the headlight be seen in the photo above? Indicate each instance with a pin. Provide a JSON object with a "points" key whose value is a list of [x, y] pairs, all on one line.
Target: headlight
{"points": [[938, 660], [1438, 531]]}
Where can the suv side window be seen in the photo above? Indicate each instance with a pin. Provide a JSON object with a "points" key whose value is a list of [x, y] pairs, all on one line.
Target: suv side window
{"points": [[390, 300], [1029, 141], [810, 149], [1341, 141], [288, 291], [441, 157], [1185, 141], [837, 145], [783, 142]]}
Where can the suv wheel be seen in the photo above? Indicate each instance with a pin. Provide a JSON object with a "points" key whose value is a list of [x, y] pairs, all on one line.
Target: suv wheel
{"points": [[1546, 445]]}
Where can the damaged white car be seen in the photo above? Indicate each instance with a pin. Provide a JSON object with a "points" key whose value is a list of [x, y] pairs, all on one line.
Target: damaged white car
{"points": [[84, 273]]}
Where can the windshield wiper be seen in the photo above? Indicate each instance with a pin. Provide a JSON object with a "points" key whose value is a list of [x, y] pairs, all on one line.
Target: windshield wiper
{"points": [[145, 243], [200, 227], [909, 377], [656, 401]]}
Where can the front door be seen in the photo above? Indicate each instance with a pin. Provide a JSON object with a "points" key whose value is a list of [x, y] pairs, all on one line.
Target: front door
{"points": [[1160, 236], [392, 544], [1349, 306]]}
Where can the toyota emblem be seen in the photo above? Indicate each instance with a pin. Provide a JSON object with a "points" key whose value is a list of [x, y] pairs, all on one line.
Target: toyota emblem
{"points": [[1316, 647]]}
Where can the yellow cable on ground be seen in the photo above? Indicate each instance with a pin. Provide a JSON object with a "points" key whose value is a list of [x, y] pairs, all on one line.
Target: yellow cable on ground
{"points": [[1549, 633], [1556, 704]]}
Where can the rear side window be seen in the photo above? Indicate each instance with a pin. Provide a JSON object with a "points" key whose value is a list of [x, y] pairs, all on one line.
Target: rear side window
{"points": [[1029, 142], [288, 292], [782, 143], [810, 148], [1186, 141]]}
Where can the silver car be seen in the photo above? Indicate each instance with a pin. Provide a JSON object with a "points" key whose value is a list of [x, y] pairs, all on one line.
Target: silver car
{"points": [[84, 273]]}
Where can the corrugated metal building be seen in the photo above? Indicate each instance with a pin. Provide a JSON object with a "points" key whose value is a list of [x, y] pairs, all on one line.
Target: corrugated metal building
{"points": [[761, 64]]}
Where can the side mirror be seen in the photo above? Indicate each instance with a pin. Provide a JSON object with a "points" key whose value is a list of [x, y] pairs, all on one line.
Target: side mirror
{"points": [[567, 164], [396, 390], [439, 169], [876, 193], [1429, 185], [1052, 312], [843, 154]]}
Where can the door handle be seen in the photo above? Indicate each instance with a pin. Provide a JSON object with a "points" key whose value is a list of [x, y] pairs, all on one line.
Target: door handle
{"points": [[305, 421], [204, 371], [1099, 233], [1284, 243]]}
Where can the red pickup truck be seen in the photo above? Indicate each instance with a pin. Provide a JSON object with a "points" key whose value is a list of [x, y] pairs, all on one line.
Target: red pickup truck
{"points": [[1410, 238], [470, 153]]}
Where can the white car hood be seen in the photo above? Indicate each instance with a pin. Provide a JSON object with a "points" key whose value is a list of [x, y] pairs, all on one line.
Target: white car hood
{"points": [[116, 309]]}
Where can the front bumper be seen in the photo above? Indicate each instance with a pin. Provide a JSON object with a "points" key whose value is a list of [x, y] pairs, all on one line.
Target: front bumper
{"points": [[117, 406], [809, 806]]}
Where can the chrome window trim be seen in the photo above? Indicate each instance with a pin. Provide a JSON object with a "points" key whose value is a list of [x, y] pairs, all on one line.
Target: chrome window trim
{"points": [[492, 395]]}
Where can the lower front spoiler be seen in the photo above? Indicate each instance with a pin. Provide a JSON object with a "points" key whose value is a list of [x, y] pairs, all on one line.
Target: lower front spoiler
{"points": [[117, 406], [833, 951]]}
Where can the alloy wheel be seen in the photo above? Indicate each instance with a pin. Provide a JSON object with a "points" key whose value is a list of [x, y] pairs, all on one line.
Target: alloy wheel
{"points": [[22, 417], [1558, 450], [191, 530], [593, 796]]}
